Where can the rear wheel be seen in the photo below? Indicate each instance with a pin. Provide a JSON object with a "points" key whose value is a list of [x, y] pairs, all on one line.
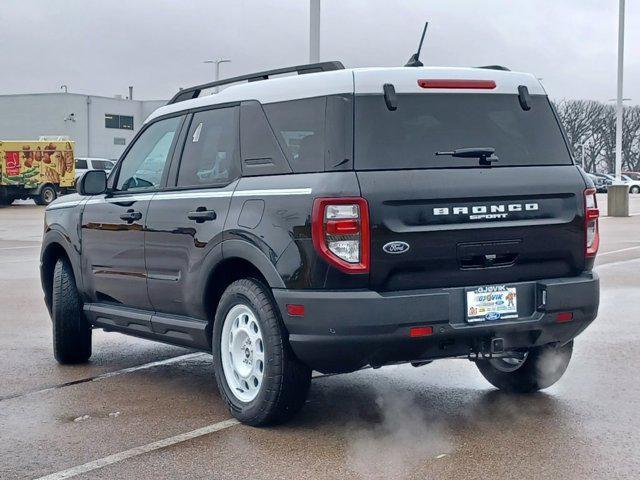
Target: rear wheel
{"points": [[635, 189], [256, 371], [71, 331], [539, 368], [47, 195]]}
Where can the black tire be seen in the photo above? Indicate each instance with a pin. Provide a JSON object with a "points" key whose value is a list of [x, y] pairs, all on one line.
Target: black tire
{"points": [[71, 331], [635, 189], [285, 382], [542, 367], [47, 195]]}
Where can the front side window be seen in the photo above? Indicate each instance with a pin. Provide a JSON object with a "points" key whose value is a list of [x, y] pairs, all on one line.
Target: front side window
{"points": [[81, 163], [210, 155], [144, 163]]}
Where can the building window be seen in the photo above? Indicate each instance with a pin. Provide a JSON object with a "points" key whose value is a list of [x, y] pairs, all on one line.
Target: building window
{"points": [[123, 122]]}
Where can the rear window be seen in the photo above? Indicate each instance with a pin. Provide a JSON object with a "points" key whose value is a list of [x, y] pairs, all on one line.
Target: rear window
{"points": [[299, 126], [314, 133], [424, 124]]}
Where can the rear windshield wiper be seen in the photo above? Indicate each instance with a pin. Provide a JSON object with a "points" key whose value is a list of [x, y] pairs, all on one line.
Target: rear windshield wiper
{"points": [[486, 155]]}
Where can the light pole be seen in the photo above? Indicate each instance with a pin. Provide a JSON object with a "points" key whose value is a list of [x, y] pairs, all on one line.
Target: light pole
{"points": [[314, 31], [582, 147], [216, 71], [619, 109], [618, 193]]}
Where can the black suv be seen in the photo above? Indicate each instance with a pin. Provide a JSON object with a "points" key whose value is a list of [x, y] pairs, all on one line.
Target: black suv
{"points": [[331, 220]]}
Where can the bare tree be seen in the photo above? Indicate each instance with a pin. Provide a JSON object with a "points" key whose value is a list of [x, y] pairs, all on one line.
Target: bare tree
{"points": [[591, 125]]}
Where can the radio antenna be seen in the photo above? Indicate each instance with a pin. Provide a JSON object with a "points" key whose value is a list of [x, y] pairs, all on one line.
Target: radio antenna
{"points": [[414, 61]]}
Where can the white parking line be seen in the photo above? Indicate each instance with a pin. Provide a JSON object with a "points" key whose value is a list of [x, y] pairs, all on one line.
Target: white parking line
{"points": [[618, 251], [20, 247], [144, 366], [137, 451]]}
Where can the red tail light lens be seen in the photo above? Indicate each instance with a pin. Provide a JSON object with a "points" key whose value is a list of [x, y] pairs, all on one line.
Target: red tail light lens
{"points": [[340, 231], [592, 230]]}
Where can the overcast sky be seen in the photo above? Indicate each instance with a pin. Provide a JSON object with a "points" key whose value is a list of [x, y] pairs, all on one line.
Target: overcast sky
{"points": [[102, 47]]}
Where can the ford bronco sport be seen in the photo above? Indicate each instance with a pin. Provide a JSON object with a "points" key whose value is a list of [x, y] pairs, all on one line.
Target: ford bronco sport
{"points": [[332, 220]]}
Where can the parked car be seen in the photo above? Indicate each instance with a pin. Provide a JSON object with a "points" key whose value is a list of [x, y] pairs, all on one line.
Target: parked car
{"points": [[634, 185], [332, 220], [84, 164], [601, 182], [632, 175]]}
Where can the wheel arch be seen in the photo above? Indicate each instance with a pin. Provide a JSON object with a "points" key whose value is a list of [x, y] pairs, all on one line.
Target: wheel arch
{"points": [[239, 260], [52, 250]]}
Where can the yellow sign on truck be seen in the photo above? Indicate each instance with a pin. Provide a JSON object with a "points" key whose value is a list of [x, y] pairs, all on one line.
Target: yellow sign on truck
{"points": [[41, 170]]}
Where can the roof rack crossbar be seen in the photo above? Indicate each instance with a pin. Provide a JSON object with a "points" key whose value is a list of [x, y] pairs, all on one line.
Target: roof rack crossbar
{"points": [[194, 92]]}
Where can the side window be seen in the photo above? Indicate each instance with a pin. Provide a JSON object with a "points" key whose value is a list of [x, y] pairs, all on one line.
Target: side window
{"points": [[142, 167], [261, 152], [82, 164], [210, 155], [300, 127]]}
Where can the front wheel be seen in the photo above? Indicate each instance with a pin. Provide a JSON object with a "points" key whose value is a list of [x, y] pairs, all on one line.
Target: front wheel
{"points": [[256, 371], [538, 368], [71, 331]]}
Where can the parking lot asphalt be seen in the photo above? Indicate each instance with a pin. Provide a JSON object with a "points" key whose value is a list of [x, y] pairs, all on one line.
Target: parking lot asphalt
{"points": [[145, 410]]}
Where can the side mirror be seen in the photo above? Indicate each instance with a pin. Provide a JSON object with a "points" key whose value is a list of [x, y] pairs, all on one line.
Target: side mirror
{"points": [[93, 182]]}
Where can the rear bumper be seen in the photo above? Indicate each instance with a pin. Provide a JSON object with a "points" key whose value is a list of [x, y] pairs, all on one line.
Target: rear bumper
{"points": [[342, 331]]}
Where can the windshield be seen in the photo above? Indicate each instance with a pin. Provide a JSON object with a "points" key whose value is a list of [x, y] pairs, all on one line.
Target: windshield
{"points": [[424, 124]]}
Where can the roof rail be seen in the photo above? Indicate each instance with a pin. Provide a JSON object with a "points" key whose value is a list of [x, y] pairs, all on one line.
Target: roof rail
{"points": [[194, 92], [495, 67]]}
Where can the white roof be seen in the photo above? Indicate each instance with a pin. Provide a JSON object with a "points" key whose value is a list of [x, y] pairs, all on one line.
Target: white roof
{"points": [[359, 81]]}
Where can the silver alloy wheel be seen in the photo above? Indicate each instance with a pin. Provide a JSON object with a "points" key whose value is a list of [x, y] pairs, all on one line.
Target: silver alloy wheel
{"points": [[48, 195], [508, 364], [242, 352]]}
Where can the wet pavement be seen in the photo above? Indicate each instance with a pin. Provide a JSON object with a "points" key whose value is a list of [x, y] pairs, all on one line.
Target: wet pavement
{"points": [[438, 421]]}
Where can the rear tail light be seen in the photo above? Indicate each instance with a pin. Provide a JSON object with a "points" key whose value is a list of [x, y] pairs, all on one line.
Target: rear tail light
{"points": [[591, 215], [340, 231]]}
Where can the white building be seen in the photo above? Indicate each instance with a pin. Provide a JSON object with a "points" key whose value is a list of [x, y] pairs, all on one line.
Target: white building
{"points": [[100, 126]]}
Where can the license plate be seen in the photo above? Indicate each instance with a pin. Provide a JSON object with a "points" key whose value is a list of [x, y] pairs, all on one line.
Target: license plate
{"points": [[492, 302]]}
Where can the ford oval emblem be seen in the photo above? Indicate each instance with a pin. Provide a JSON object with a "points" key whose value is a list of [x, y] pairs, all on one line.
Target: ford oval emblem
{"points": [[492, 316], [396, 247]]}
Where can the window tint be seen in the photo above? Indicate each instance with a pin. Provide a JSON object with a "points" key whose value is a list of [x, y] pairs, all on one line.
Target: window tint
{"points": [[424, 124], [144, 163], [81, 164], [299, 126], [210, 152], [261, 152]]}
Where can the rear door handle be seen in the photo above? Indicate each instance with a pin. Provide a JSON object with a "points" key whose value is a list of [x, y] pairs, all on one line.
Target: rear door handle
{"points": [[131, 216], [201, 214]]}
